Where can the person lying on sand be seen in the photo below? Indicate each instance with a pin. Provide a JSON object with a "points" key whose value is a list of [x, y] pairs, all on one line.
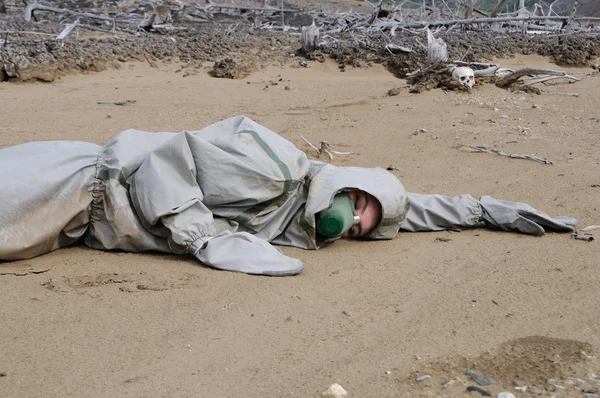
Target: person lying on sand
{"points": [[222, 194]]}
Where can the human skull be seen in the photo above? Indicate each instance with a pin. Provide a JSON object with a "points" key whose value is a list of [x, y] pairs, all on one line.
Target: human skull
{"points": [[464, 76]]}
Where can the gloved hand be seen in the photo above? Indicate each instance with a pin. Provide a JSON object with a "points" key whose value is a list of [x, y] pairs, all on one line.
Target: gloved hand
{"points": [[243, 252], [520, 217]]}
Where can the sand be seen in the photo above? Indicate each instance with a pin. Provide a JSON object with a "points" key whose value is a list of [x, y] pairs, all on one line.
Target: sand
{"points": [[370, 316]]}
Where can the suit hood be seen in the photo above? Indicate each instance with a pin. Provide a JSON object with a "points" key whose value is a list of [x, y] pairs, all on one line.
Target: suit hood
{"points": [[383, 185]]}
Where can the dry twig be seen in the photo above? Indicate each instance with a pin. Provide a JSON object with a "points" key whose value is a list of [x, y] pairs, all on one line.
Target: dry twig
{"points": [[479, 148], [326, 148]]}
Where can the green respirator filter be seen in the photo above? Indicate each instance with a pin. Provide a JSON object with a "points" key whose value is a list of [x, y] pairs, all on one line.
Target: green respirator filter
{"points": [[337, 219]]}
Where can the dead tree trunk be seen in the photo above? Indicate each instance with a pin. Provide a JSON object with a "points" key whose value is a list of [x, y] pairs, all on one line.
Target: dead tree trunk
{"points": [[310, 38], [436, 49], [469, 13], [282, 17], [497, 9], [569, 26]]}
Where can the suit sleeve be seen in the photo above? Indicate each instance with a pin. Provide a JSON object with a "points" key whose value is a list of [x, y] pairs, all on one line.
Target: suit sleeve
{"points": [[164, 192], [439, 212]]}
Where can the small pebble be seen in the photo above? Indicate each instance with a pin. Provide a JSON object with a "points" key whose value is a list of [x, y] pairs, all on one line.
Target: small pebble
{"points": [[535, 106], [558, 387], [506, 394], [592, 391], [480, 379], [535, 390], [2, 374], [335, 391], [423, 378], [551, 381], [388, 372], [449, 383], [483, 392]]}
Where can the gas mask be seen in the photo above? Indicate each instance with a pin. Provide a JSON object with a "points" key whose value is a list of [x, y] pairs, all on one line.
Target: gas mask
{"points": [[338, 218]]}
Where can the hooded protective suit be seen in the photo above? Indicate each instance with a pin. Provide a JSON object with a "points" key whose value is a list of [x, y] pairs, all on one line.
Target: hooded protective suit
{"points": [[220, 194]]}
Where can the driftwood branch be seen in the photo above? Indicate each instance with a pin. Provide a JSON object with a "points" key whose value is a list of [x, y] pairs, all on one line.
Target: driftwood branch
{"points": [[511, 78], [542, 79], [423, 24], [488, 69], [68, 29], [21, 32], [395, 49], [235, 7], [35, 6]]}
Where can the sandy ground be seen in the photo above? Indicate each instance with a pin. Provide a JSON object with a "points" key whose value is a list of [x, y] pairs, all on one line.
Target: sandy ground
{"points": [[370, 316]]}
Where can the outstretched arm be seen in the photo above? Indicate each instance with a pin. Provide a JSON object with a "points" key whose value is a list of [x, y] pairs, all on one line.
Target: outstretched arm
{"points": [[165, 192], [439, 212]]}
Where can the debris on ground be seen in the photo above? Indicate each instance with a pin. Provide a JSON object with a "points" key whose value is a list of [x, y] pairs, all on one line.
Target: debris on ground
{"points": [[421, 130], [326, 148], [590, 228], [335, 391], [480, 148], [231, 69], [43, 41], [479, 378], [481, 391], [120, 103], [587, 238]]}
